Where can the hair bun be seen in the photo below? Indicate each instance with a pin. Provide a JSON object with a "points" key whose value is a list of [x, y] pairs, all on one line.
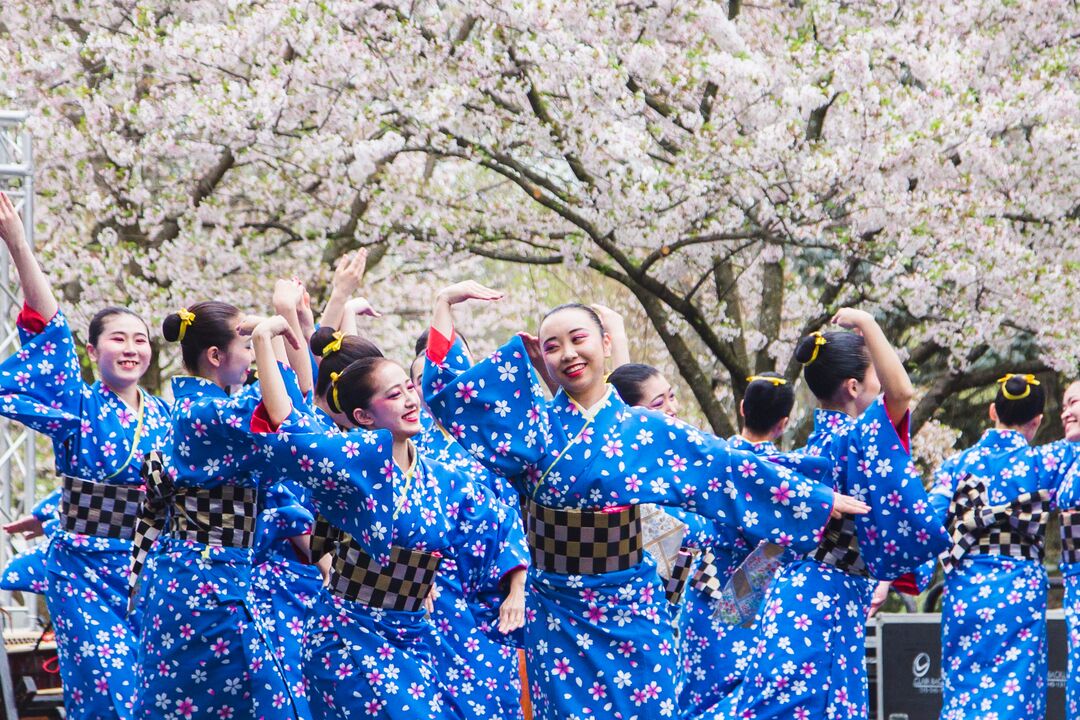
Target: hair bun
{"points": [[805, 349], [170, 327], [322, 337]]}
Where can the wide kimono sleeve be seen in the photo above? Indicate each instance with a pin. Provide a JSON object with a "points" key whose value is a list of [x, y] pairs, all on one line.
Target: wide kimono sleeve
{"points": [[349, 475], [489, 545], [40, 385], [646, 457], [1058, 460], [487, 533], [284, 515], [48, 506], [902, 530], [495, 409]]}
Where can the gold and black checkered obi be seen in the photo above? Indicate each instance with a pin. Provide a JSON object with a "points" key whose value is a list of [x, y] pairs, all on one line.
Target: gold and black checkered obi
{"points": [[1016, 528], [223, 515], [402, 584], [1070, 536], [100, 509], [840, 547], [583, 542]]}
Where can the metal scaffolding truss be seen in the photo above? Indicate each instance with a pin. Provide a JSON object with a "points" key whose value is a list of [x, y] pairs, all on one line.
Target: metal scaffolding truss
{"points": [[17, 445]]}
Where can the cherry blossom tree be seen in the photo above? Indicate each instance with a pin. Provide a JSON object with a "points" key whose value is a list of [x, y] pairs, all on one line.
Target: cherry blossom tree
{"points": [[741, 170]]}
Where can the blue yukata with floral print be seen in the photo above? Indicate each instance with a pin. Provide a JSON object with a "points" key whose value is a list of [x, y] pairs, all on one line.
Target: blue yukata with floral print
{"points": [[369, 662], [468, 628], [96, 436], [808, 656], [993, 609], [285, 587], [603, 645], [1068, 501], [713, 653], [205, 654], [28, 571]]}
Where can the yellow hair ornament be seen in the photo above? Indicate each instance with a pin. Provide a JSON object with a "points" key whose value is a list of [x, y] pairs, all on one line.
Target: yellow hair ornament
{"points": [[776, 381], [186, 318], [1028, 379], [334, 345], [819, 341], [336, 407]]}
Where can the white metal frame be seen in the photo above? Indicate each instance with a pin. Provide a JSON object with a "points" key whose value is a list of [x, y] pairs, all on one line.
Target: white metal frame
{"points": [[17, 445]]}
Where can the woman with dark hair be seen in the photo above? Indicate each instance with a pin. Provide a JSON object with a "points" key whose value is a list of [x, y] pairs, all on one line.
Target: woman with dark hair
{"points": [[808, 658], [995, 498], [370, 650], [765, 409], [100, 434], [205, 652], [599, 636]]}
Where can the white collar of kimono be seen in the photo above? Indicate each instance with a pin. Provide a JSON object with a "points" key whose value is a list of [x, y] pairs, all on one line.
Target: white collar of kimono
{"points": [[590, 412]]}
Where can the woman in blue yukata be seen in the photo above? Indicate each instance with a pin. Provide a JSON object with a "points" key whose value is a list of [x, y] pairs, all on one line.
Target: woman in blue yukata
{"points": [[100, 434], [599, 640], [808, 656], [493, 660], [713, 650], [996, 497], [204, 653], [370, 650], [1068, 501]]}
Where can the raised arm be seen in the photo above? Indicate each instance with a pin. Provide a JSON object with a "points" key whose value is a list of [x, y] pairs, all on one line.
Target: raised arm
{"points": [[442, 315], [35, 286], [275, 396], [895, 382], [353, 308], [350, 271], [288, 300], [616, 330]]}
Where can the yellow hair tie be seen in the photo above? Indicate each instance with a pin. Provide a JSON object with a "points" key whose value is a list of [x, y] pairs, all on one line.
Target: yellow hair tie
{"points": [[336, 407], [776, 381], [186, 318], [819, 340], [1028, 379], [334, 345]]}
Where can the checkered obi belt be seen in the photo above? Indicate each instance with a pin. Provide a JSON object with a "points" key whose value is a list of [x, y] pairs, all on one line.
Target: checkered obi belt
{"points": [[223, 516], [100, 509], [1070, 536], [675, 586], [1016, 529], [583, 542], [402, 584], [840, 547]]}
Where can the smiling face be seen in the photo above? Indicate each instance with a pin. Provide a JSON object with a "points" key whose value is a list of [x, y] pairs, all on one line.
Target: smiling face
{"points": [[1070, 412], [394, 405], [122, 351], [574, 349], [657, 394]]}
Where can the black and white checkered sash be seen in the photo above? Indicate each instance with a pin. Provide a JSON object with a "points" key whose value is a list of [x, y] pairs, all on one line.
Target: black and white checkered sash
{"points": [[99, 509], [1070, 536], [1016, 528], [707, 576], [675, 585], [583, 542], [224, 516], [840, 547], [402, 584]]}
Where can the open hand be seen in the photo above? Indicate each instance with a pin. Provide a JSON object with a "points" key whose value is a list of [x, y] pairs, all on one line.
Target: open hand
{"points": [[847, 505]]}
